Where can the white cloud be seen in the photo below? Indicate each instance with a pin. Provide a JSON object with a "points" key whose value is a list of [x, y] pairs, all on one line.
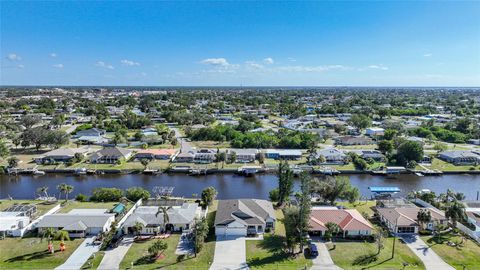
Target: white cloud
{"points": [[104, 65], [14, 57], [427, 55], [268, 61], [215, 62], [382, 67], [126, 62], [58, 66], [254, 65], [53, 55]]}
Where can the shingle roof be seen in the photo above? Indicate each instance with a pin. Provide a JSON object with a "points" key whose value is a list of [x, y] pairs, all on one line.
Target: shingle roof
{"points": [[176, 215], [72, 220], [407, 216], [246, 211]]}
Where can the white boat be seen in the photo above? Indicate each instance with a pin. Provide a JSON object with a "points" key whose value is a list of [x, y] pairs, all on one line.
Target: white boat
{"points": [[37, 172]]}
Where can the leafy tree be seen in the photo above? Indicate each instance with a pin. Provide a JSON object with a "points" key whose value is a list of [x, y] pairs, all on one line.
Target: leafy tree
{"points": [[285, 182], [424, 216], [291, 221], [106, 195], [137, 228], [200, 232], [409, 150], [208, 195], [360, 121], [137, 193], [332, 230], [4, 151], [385, 146], [81, 197], [233, 157], [334, 188], [29, 121], [274, 195], [390, 134], [13, 162], [157, 248]]}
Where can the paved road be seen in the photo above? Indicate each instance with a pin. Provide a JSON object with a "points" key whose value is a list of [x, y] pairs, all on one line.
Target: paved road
{"points": [[185, 145], [429, 258], [80, 255], [323, 261], [71, 129], [230, 253], [112, 258]]}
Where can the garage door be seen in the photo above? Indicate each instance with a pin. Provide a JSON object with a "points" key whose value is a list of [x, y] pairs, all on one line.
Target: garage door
{"points": [[236, 231]]}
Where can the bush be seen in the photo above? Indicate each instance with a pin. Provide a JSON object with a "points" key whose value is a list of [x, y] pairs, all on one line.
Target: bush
{"points": [[81, 197], [106, 195], [274, 195], [425, 232], [137, 193]]}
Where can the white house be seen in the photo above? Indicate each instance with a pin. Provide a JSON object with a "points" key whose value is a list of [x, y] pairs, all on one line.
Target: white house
{"points": [[244, 217], [375, 131]]}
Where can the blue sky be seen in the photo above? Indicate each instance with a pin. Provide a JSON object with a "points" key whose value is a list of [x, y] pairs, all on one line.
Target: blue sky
{"points": [[241, 43]]}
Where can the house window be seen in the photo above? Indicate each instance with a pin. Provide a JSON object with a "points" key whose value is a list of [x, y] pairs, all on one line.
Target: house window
{"points": [[406, 230]]}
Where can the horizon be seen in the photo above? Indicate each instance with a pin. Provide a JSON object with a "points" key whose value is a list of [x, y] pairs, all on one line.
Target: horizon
{"points": [[241, 44]]}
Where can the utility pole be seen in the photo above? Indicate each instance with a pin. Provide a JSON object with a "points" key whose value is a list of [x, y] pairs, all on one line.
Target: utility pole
{"points": [[394, 237]]}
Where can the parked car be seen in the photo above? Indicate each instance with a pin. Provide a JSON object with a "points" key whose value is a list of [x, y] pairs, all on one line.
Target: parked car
{"points": [[312, 250]]}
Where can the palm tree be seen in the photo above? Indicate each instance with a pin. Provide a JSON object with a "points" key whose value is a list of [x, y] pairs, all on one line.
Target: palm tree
{"points": [[66, 189], [43, 190], [144, 162], [164, 210], [137, 228], [157, 247], [455, 211], [62, 235], [332, 230], [424, 216], [48, 233]]}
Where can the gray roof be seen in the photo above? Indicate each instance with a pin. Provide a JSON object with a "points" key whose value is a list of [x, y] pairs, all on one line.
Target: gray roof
{"points": [[184, 214], [459, 154], [111, 152], [65, 152], [75, 221], [331, 152], [246, 211]]}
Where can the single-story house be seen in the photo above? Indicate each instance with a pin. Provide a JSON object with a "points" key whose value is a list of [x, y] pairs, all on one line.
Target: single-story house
{"points": [[373, 154], [353, 140], [332, 156], [472, 209], [149, 132], [375, 131], [244, 217], [185, 157], [92, 139], [92, 132], [460, 157], [180, 218], [350, 221], [244, 155], [151, 154], [403, 220], [287, 154], [12, 223], [79, 223], [111, 155], [60, 155]]}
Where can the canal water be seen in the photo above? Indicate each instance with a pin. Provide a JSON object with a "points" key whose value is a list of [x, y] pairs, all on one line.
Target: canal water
{"points": [[229, 186]]}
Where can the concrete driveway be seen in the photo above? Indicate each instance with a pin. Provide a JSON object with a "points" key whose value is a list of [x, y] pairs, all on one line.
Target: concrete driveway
{"points": [[323, 261], [80, 255], [230, 253], [112, 258], [185, 246], [429, 258]]}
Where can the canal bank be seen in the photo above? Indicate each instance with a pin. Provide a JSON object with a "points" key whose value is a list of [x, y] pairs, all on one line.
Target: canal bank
{"points": [[229, 186]]}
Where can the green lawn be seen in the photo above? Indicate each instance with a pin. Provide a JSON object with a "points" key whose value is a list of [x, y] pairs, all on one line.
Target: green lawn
{"points": [[42, 207], [138, 254], [269, 252], [467, 254], [361, 206], [94, 261], [362, 255], [87, 205], [31, 253], [438, 164]]}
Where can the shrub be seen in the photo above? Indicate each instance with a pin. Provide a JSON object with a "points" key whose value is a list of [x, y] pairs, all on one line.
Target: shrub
{"points": [[81, 197], [137, 193], [106, 195], [274, 195]]}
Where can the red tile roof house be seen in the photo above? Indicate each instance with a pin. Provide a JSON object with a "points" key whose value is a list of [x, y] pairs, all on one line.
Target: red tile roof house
{"points": [[155, 154], [352, 223]]}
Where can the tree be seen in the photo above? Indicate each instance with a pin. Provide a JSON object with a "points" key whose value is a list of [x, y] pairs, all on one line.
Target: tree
{"points": [[220, 157], [106, 195], [379, 240], [43, 190], [305, 203], [157, 248], [48, 233], [62, 235], [29, 121], [233, 157], [439, 147], [360, 121], [137, 228], [4, 151], [285, 182], [164, 211], [200, 232], [423, 216], [409, 150], [144, 162], [56, 138], [136, 193], [208, 195], [13, 162], [385, 146], [334, 188], [291, 222], [65, 189], [455, 211], [261, 158]]}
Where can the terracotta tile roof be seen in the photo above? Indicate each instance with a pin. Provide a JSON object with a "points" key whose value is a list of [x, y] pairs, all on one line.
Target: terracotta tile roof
{"points": [[346, 219]]}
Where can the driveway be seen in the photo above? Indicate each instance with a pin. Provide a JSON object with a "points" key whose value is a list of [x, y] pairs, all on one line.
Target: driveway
{"points": [[230, 253], [429, 258], [323, 261], [112, 258], [80, 255], [185, 246]]}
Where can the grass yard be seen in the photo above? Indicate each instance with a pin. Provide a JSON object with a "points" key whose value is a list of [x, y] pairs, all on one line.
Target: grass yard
{"points": [[269, 252], [94, 261], [88, 205], [438, 164], [467, 254], [42, 207], [31, 253], [361, 206], [210, 144], [138, 253], [362, 255]]}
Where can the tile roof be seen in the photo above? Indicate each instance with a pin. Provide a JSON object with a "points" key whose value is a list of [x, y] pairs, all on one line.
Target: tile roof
{"points": [[346, 219]]}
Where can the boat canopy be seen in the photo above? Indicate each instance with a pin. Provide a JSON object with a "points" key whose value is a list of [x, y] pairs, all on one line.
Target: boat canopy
{"points": [[384, 189]]}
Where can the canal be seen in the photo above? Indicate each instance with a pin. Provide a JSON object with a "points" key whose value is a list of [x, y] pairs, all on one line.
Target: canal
{"points": [[229, 186]]}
